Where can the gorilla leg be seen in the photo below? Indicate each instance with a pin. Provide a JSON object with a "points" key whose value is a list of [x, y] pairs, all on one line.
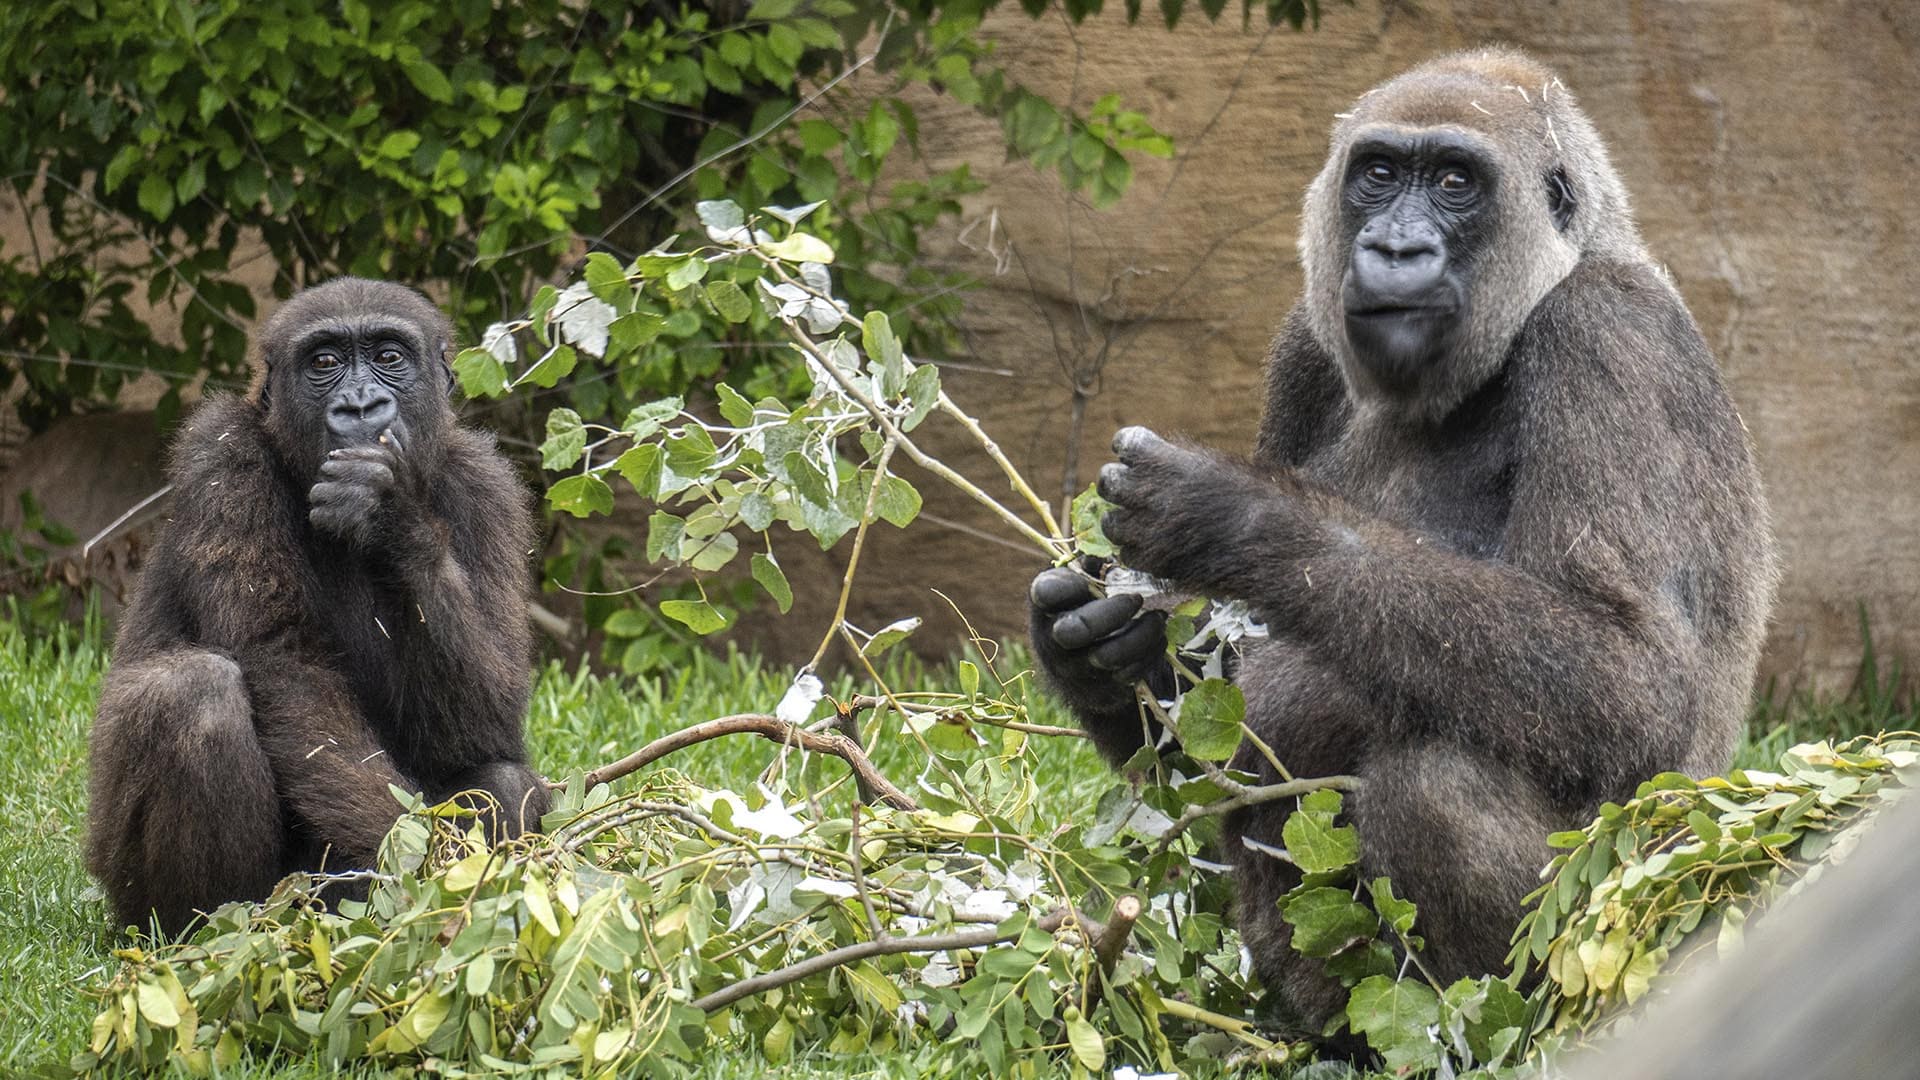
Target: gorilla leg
{"points": [[333, 772], [183, 814], [518, 797], [1463, 837]]}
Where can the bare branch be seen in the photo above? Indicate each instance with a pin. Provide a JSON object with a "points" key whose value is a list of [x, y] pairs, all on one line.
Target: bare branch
{"points": [[771, 728], [848, 954]]}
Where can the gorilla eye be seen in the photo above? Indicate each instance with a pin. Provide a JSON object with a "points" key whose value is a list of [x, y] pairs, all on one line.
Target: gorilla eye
{"points": [[391, 357], [1380, 172], [325, 361], [1455, 180]]}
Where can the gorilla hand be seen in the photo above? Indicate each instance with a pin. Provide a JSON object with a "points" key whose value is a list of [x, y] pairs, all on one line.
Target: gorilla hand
{"points": [[1098, 647], [1192, 516], [358, 490]]}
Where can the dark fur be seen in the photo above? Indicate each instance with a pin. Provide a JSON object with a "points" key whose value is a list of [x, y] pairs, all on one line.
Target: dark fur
{"points": [[1498, 603], [273, 678]]}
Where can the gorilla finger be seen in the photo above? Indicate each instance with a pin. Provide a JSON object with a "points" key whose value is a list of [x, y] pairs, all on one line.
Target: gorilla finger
{"points": [[1116, 482], [390, 439], [1134, 440], [357, 471], [1090, 622], [1059, 589], [1135, 647]]}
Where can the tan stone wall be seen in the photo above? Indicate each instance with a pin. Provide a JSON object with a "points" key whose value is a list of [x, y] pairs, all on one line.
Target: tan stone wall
{"points": [[1769, 146]]}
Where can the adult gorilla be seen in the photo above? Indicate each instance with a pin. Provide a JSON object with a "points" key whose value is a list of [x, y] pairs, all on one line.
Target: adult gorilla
{"points": [[1503, 520], [336, 605]]}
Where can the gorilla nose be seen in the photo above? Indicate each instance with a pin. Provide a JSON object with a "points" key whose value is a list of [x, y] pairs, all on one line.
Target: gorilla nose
{"points": [[359, 415], [1398, 268]]}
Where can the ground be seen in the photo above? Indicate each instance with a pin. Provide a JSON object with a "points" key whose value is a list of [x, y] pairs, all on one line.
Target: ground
{"points": [[55, 937]]}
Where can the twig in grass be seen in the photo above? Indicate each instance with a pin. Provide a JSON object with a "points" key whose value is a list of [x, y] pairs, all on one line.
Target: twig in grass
{"points": [[771, 728]]}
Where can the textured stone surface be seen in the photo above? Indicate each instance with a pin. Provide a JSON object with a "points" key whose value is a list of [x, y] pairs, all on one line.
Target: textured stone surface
{"points": [[1769, 147]]}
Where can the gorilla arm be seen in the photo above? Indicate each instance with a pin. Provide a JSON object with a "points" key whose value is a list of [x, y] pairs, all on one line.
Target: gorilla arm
{"points": [[1562, 651], [453, 550]]}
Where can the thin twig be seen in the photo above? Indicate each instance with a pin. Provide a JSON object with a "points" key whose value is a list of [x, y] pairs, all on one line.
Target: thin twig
{"points": [[848, 954], [771, 728], [1014, 479], [1253, 796], [853, 557]]}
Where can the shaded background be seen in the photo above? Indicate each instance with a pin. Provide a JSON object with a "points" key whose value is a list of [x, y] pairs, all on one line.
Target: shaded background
{"points": [[1768, 146]]}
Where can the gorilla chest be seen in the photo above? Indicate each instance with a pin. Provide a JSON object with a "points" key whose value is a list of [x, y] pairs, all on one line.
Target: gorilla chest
{"points": [[1453, 483]]}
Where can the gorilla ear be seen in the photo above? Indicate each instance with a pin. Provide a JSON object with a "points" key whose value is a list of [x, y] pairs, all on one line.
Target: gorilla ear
{"points": [[1560, 201], [266, 387]]}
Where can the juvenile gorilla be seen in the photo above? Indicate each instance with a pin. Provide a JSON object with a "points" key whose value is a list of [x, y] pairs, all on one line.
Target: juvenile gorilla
{"points": [[336, 605], [1502, 521]]}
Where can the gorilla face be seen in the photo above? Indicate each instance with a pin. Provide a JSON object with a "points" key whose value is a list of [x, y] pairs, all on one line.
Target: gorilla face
{"points": [[356, 376], [1413, 205]]}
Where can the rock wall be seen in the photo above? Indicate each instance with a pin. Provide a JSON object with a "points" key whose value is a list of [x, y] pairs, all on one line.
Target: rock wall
{"points": [[1768, 145]]}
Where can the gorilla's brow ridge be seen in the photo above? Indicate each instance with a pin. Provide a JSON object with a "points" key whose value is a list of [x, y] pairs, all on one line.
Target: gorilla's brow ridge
{"points": [[347, 329]]}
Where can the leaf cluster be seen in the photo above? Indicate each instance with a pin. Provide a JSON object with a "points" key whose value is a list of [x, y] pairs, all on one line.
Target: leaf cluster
{"points": [[1637, 894], [652, 928]]}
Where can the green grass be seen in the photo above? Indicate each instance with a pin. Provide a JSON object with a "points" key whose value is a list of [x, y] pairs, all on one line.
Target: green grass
{"points": [[55, 934]]}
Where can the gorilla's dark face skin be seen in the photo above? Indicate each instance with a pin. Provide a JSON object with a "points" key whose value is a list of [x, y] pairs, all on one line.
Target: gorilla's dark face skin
{"points": [[356, 373], [1414, 204]]}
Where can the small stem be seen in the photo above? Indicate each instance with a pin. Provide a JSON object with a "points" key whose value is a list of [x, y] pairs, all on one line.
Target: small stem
{"points": [[1014, 479], [1253, 796], [1053, 547], [1239, 1029], [853, 558]]}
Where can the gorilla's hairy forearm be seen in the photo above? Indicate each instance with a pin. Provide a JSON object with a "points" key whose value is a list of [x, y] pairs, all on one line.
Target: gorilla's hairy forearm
{"points": [[1525, 669]]}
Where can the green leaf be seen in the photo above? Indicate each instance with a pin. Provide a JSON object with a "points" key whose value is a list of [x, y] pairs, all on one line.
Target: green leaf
{"points": [[737, 410], [722, 214], [1088, 1048], [581, 495], [1326, 920], [1490, 1010], [923, 391], [883, 350], [641, 466], [690, 450], [156, 1005], [714, 552], [566, 440], [1210, 719], [768, 573], [889, 635], [399, 144], [807, 481], [800, 247], [156, 196], [607, 279], [1395, 912], [428, 80], [556, 365], [686, 272], [756, 510], [664, 533], [122, 164], [1394, 1016], [646, 419], [1317, 845], [481, 373], [898, 503], [1087, 510], [698, 615], [730, 301]]}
